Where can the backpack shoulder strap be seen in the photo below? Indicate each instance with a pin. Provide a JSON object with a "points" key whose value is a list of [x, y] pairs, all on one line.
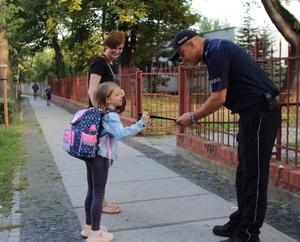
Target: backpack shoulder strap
{"points": [[106, 140], [108, 64], [109, 151]]}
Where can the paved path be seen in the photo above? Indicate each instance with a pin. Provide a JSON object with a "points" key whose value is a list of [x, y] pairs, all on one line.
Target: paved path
{"points": [[158, 205]]}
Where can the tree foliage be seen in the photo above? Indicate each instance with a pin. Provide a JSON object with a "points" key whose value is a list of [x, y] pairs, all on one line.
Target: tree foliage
{"points": [[248, 33], [37, 67], [208, 24], [38, 27], [75, 29], [266, 41]]}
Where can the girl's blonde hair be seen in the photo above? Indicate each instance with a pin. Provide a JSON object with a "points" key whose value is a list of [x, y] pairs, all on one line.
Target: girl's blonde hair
{"points": [[103, 91]]}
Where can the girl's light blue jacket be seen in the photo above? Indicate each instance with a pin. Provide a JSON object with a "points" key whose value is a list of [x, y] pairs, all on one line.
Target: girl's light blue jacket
{"points": [[113, 126]]}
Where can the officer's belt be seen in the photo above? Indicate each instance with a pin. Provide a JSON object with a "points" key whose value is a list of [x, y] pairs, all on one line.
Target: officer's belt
{"points": [[257, 108]]}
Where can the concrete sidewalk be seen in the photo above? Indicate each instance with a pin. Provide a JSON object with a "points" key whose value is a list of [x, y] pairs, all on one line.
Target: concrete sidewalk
{"points": [[157, 204]]}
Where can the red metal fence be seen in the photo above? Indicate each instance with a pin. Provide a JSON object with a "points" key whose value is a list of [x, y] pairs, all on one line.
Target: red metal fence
{"points": [[73, 88], [155, 91], [170, 92], [222, 126]]}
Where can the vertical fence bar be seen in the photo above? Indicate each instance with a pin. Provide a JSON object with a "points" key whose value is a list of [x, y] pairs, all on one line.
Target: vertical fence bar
{"points": [[87, 88], [279, 134], [182, 93], [77, 89], [138, 97]]}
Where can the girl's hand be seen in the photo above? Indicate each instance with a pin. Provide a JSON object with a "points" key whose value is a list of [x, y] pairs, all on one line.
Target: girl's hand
{"points": [[146, 117]]}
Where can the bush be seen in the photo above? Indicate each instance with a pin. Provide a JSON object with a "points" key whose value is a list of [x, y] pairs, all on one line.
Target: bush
{"points": [[11, 109]]}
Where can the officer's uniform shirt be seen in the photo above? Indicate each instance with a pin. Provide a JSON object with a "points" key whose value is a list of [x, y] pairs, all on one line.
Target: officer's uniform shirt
{"points": [[230, 66]]}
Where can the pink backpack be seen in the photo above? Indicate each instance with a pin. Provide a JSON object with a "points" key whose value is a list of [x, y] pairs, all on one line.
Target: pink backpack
{"points": [[81, 141]]}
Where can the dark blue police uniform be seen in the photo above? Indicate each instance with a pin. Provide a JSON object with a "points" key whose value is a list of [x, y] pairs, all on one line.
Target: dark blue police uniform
{"points": [[252, 94]]}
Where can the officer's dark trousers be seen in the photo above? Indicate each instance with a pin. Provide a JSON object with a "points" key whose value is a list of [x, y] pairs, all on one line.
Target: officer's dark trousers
{"points": [[256, 136]]}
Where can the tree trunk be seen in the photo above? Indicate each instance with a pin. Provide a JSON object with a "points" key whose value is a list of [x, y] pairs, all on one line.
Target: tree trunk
{"points": [[285, 23], [5, 60], [127, 58], [104, 9], [282, 19], [59, 60], [133, 47]]}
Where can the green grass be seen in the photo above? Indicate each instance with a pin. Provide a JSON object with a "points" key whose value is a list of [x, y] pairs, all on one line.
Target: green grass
{"points": [[9, 227], [12, 157], [19, 211]]}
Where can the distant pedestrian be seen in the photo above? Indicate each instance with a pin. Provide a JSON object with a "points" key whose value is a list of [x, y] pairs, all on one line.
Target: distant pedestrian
{"points": [[35, 88], [107, 97], [238, 83], [48, 94]]}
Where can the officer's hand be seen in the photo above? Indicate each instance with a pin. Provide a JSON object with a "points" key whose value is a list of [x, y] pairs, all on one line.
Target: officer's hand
{"points": [[184, 120]]}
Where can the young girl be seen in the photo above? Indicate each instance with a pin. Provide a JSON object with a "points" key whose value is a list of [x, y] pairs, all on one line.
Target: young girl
{"points": [[107, 97]]}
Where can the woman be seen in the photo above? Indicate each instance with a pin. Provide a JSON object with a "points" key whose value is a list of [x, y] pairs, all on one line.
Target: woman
{"points": [[103, 69]]}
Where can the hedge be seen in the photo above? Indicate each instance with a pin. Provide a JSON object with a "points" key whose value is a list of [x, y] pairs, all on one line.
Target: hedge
{"points": [[11, 108]]}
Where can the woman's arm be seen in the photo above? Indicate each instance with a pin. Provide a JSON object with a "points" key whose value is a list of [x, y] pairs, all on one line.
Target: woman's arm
{"points": [[94, 82]]}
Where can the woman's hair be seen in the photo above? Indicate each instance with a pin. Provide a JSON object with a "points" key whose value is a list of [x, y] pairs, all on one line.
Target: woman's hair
{"points": [[114, 39], [103, 91]]}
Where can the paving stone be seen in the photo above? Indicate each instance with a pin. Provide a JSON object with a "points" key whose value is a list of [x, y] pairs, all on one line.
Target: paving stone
{"points": [[282, 217], [45, 219]]}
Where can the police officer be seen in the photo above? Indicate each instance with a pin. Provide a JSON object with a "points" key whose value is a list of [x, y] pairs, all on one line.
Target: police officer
{"points": [[238, 83]]}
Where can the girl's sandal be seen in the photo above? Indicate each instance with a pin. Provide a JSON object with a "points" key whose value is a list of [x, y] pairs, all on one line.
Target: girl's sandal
{"points": [[110, 208]]}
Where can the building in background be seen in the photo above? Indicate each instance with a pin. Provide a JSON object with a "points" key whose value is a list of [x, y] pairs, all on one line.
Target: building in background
{"points": [[232, 33]]}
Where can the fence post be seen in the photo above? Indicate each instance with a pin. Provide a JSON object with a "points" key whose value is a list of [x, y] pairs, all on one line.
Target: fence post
{"points": [[87, 88], [3, 67], [182, 93], [256, 49], [77, 90], [138, 97]]}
